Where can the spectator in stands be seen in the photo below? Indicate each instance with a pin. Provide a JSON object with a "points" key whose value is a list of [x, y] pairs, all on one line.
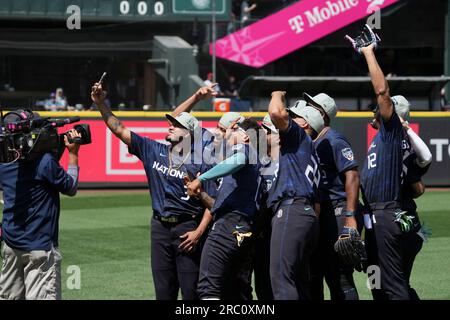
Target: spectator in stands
{"points": [[232, 87], [60, 99], [57, 101], [209, 81], [50, 103], [246, 9]]}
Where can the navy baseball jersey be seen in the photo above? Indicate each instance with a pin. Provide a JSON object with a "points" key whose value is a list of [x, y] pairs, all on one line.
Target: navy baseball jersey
{"points": [[298, 173], [31, 202], [336, 157], [237, 191], [384, 171], [167, 190]]}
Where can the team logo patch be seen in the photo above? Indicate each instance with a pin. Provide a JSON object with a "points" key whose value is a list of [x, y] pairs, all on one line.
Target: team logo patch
{"points": [[348, 154], [280, 213]]}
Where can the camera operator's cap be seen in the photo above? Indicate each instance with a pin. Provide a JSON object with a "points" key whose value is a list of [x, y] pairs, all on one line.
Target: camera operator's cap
{"points": [[313, 117], [401, 106], [295, 109], [185, 119], [324, 102], [268, 124], [228, 118]]}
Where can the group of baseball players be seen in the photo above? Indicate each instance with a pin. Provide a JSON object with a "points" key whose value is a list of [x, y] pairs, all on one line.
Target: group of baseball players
{"points": [[280, 200]]}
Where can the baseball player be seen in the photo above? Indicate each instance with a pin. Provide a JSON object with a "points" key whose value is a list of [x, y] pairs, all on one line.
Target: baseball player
{"points": [[383, 180], [339, 193], [417, 164], [263, 230], [295, 227], [179, 220], [217, 148], [226, 257]]}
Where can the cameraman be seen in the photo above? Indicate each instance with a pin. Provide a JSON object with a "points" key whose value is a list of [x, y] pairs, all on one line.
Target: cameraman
{"points": [[31, 266]]}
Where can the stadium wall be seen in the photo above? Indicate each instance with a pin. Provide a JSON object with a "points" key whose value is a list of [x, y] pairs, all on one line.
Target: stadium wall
{"points": [[106, 162]]}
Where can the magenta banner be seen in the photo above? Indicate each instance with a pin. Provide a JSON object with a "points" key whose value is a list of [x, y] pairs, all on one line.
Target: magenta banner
{"points": [[292, 28]]}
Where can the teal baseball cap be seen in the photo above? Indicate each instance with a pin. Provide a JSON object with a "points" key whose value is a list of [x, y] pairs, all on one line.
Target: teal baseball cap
{"points": [[268, 124], [228, 118], [185, 119]]}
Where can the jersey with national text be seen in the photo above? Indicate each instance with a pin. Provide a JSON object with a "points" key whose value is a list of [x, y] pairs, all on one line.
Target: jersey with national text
{"points": [[336, 157], [167, 190], [237, 191], [298, 174], [385, 166]]}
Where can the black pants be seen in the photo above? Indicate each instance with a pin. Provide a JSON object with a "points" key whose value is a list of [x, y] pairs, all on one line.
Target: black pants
{"points": [[261, 257], [295, 231], [326, 264], [225, 266], [173, 269], [394, 252]]}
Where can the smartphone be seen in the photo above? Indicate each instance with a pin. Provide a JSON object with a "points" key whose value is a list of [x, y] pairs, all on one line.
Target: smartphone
{"points": [[101, 79]]}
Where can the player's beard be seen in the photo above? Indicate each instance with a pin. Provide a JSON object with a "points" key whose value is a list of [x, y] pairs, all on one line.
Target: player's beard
{"points": [[173, 140]]}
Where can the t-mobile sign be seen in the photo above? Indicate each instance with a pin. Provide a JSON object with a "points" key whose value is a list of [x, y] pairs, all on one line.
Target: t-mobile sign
{"points": [[292, 28]]}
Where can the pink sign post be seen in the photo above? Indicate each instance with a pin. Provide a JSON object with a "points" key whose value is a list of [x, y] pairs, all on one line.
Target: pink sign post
{"points": [[292, 28]]}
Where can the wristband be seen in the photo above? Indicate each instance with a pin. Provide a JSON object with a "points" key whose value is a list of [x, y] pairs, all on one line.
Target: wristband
{"points": [[349, 214]]}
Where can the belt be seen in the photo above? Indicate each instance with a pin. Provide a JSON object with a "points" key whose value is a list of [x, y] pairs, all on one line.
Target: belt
{"points": [[385, 205], [336, 203], [174, 219], [290, 201]]}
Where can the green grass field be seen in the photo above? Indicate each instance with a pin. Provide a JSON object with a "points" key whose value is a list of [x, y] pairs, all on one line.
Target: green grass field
{"points": [[107, 235]]}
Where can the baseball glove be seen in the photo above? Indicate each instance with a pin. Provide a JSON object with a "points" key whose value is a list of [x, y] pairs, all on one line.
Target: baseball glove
{"points": [[350, 248], [365, 39], [404, 220]]}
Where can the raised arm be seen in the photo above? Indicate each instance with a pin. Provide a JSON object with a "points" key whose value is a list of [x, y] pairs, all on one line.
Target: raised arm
{"points": [[379, 83], [277, 110], [120, 131], [203, 93]]}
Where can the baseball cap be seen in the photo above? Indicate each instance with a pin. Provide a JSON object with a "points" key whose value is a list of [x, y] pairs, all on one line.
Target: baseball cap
{"points": [[322, 101], [268, 124], [298, 105], [401, 106], [313, 117], [185, 119], [227, 119]]}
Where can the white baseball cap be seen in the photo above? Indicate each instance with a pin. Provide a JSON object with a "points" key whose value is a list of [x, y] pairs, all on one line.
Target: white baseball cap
{"points": [[313, 117], [228, 118], [268, 124], [185, 119], [401, 106], [298, 105], [324, 102]]}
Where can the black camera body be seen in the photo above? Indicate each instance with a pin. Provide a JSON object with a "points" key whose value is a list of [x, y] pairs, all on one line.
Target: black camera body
{"points": [[24, 135]]}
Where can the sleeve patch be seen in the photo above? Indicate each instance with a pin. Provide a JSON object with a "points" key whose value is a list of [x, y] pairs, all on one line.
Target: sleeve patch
{"points": [[348, 154]]}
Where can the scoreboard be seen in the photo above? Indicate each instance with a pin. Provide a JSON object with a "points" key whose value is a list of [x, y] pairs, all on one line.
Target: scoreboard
{"points": [[116, 10]]}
